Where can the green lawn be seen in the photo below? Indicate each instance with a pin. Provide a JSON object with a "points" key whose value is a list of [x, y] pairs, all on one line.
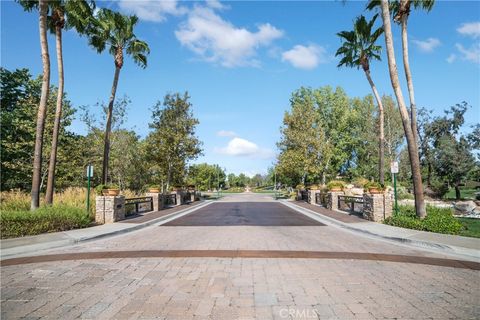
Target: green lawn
{"points": [[465, 193], [472, 227]]}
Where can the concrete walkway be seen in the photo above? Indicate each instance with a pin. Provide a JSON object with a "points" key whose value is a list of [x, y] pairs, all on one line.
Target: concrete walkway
{"points": [[17, 247], [465, 247]]}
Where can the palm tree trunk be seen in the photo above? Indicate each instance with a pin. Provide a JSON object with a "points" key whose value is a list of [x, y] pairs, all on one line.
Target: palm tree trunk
{"points": [[381, 139], [408, 75], [411, 142], [108, 127], [58, 117], [42, 107]]}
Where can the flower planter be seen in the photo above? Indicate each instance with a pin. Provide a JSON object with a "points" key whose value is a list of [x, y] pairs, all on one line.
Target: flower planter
{"points": [[113, 192], [335, 189], [154, 190], [375, 191]]}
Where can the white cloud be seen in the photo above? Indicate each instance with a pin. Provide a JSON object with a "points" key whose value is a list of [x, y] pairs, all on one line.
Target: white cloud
{"points": [[427, 45], [215, 4], [244, 148], [226, 133], [218, 41], [471, 29], [305, 57], [471, 54], [451, 58], [152, 10]]}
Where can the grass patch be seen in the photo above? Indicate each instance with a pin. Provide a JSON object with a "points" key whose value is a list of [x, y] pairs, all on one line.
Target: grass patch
{"points": [[439, 220], [471, 227], [20, 223], [465, 193]]}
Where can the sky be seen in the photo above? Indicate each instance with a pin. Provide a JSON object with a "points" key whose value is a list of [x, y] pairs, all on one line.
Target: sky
{"points": [[241, 60]]}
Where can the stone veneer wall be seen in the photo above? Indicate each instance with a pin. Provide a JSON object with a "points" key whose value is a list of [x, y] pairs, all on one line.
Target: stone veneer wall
{"points": [[158, 200], [109, 209], [332, 199], [377, 207]]}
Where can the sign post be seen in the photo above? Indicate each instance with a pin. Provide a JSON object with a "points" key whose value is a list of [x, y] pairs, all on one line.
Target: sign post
{"points": [[89, 175], [394, 170]]}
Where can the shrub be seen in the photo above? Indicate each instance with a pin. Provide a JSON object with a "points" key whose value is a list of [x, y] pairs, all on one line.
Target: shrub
{"points": [[99, 189], [335, 184], [438, 220], [300, 187], [439, 188], [360, 182], [45, 219]]}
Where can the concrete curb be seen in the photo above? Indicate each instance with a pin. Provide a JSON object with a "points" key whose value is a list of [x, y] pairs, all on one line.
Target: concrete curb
{"points": [[23, 250], [432, 246]]}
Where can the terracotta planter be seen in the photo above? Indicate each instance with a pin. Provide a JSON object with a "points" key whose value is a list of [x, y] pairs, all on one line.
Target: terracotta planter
{"points": [[113, 192], [105, 192], [336, 189], [154, 190], [375, 191]]}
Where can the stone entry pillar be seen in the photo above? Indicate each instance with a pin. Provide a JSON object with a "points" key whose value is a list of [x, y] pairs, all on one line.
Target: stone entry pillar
{"points": [[179, 195], [312, 195], [109, 209], [158, 200], [332, 199], [377, 207]]}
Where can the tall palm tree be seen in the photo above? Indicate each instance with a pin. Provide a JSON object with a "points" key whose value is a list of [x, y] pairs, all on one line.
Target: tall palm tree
{"points": [[78, 14], [400, 9], [411, 141], [42, 6], [357, 50], [115, 31]]}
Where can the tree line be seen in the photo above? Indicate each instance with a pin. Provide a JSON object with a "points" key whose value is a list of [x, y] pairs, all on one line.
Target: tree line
{"points": [[327, 135], [162, 158]]}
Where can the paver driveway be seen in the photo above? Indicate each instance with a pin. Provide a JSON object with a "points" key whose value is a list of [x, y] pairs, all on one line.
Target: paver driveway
{"points": [[234, 259]]}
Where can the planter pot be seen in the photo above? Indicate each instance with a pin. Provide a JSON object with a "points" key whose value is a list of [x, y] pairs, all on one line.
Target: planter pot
{"points": [[113, 192], [154, 190], [336, 189], [105, 192], [375, 191]]}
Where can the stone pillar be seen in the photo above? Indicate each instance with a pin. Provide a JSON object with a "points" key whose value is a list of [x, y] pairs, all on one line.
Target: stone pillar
{"points": [[377, 207], [109, 209], [332, 199], [179, 196], [312, 194], [158, 200], [192, 195]]}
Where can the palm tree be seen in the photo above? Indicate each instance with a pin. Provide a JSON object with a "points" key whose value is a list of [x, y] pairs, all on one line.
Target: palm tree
{"points": [[401, 11], [115, 31], [42, 6], [78, 14], [357, 50], [411, 141]]}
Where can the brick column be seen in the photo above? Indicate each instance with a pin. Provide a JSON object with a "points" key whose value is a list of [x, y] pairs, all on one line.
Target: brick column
{"points": [[157, 200], [332, 199], [109, 209], [376, 207]]}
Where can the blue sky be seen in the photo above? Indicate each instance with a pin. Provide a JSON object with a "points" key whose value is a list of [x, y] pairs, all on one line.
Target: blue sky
{"points": [[240, 61]]}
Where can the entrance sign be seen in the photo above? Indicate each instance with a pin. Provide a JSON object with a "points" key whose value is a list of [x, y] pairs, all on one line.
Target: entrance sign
{"points": [[394, 167]]}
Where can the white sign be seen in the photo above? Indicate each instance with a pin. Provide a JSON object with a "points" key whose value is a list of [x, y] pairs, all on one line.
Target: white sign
{"points": [[394, 167], [89, 171]]}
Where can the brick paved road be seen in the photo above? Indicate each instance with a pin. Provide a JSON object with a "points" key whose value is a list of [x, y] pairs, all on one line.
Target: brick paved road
{"points": [[239, 288]]}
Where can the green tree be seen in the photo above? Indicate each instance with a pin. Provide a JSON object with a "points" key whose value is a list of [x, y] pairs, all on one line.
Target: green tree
{"points": [[358, 49], [173, 142], [42, 6], [115, 31], [206, 176]]}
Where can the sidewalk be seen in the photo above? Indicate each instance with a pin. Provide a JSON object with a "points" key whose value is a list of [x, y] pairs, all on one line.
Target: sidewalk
{"points": [[445, 243], [17, 247]]}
